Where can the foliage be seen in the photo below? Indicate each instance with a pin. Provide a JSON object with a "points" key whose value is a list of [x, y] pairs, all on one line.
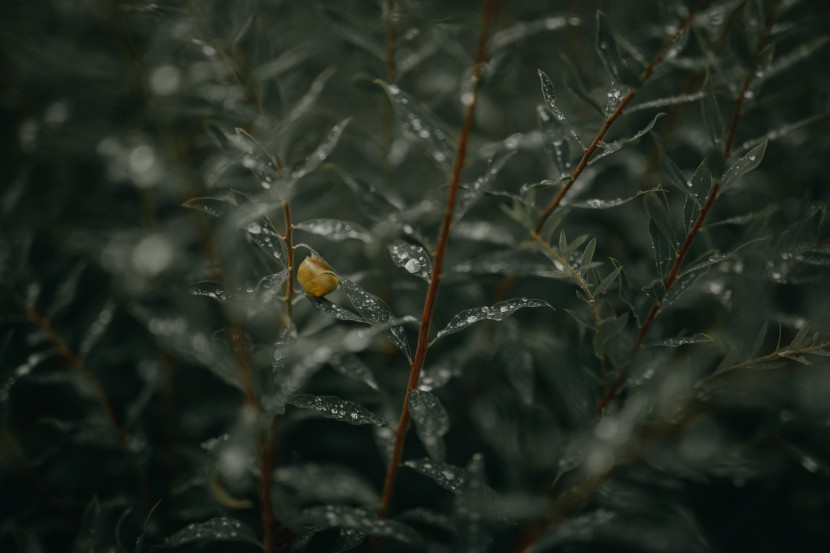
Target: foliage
{"points": [[582, 253]]}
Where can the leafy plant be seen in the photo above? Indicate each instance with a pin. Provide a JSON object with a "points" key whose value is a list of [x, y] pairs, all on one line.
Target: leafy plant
{"points": [[560, 273]]}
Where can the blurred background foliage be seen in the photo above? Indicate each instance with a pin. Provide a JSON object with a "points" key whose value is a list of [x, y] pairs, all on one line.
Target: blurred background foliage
{"points": [[147, 354]]}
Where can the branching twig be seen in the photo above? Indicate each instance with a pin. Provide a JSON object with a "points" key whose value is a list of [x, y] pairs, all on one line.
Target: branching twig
{"points": [[606, 125], [588, 295]]}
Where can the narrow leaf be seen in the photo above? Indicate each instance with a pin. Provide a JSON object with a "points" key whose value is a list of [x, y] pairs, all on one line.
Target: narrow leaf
{"points": [[431, 422], [319, 155], [668, 101], [449, 477], [411, 257], [497, 312], [333, 407], [700, 184], [351, 366], [609, 148], [263, 234], [576, 86], [335, 229], [683, 341], [215, 529], [258, 160], [470, 194], [597, 203], [370, 200], [744, 165], [609, 52], [334, 310], [608, 281], [361, 520], [376, 312], [422, 125]]}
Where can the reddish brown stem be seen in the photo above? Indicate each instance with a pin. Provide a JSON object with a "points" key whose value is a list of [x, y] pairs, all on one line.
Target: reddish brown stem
{"points": [[438, 260], [289, 257]]}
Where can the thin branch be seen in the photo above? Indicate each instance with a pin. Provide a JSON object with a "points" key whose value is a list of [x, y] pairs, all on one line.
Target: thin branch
{"points": [[783, 354], [589, 151], [289, 258], [438, 260]]}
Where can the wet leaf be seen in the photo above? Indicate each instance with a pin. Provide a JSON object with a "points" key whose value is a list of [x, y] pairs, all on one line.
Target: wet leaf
{"points": [[326, 483], [354, 518], [597, 203], [319, 155], [376, 312], [609, 148], [411, 257], [326, 306], [712, 115], [683, 341], [258, 160], [215, 207], [351, 366], [335, 229], [700, 184], [470, 194], [431, 422], [449, 477], [263, 234], [668, 101], [609, 53], [744, 165], [421, 125], [370, 200], [497, 312], [575, 85], [333, 407], [215, 529]]}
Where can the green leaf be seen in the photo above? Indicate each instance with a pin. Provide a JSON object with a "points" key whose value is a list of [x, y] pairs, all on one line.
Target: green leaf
{"points": [[700, 184], [315, 519], [334, 310], [664, 102], [608, 281], [663, 251], [258, 160], [335, 229], [319, 155], [609, 53], [419, 123], [712, 117], [411, 257], [575, 85], [332, 407], [470, 194], [608, 148], [375, 311], [497, 312], [683, 341], [744, 165], [597, 203], [370, 200], [431, 422], [213, 530]]}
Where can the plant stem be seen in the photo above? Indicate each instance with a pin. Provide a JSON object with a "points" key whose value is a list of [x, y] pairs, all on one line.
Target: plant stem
{"points": [[438, 260], [289, 259]]}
